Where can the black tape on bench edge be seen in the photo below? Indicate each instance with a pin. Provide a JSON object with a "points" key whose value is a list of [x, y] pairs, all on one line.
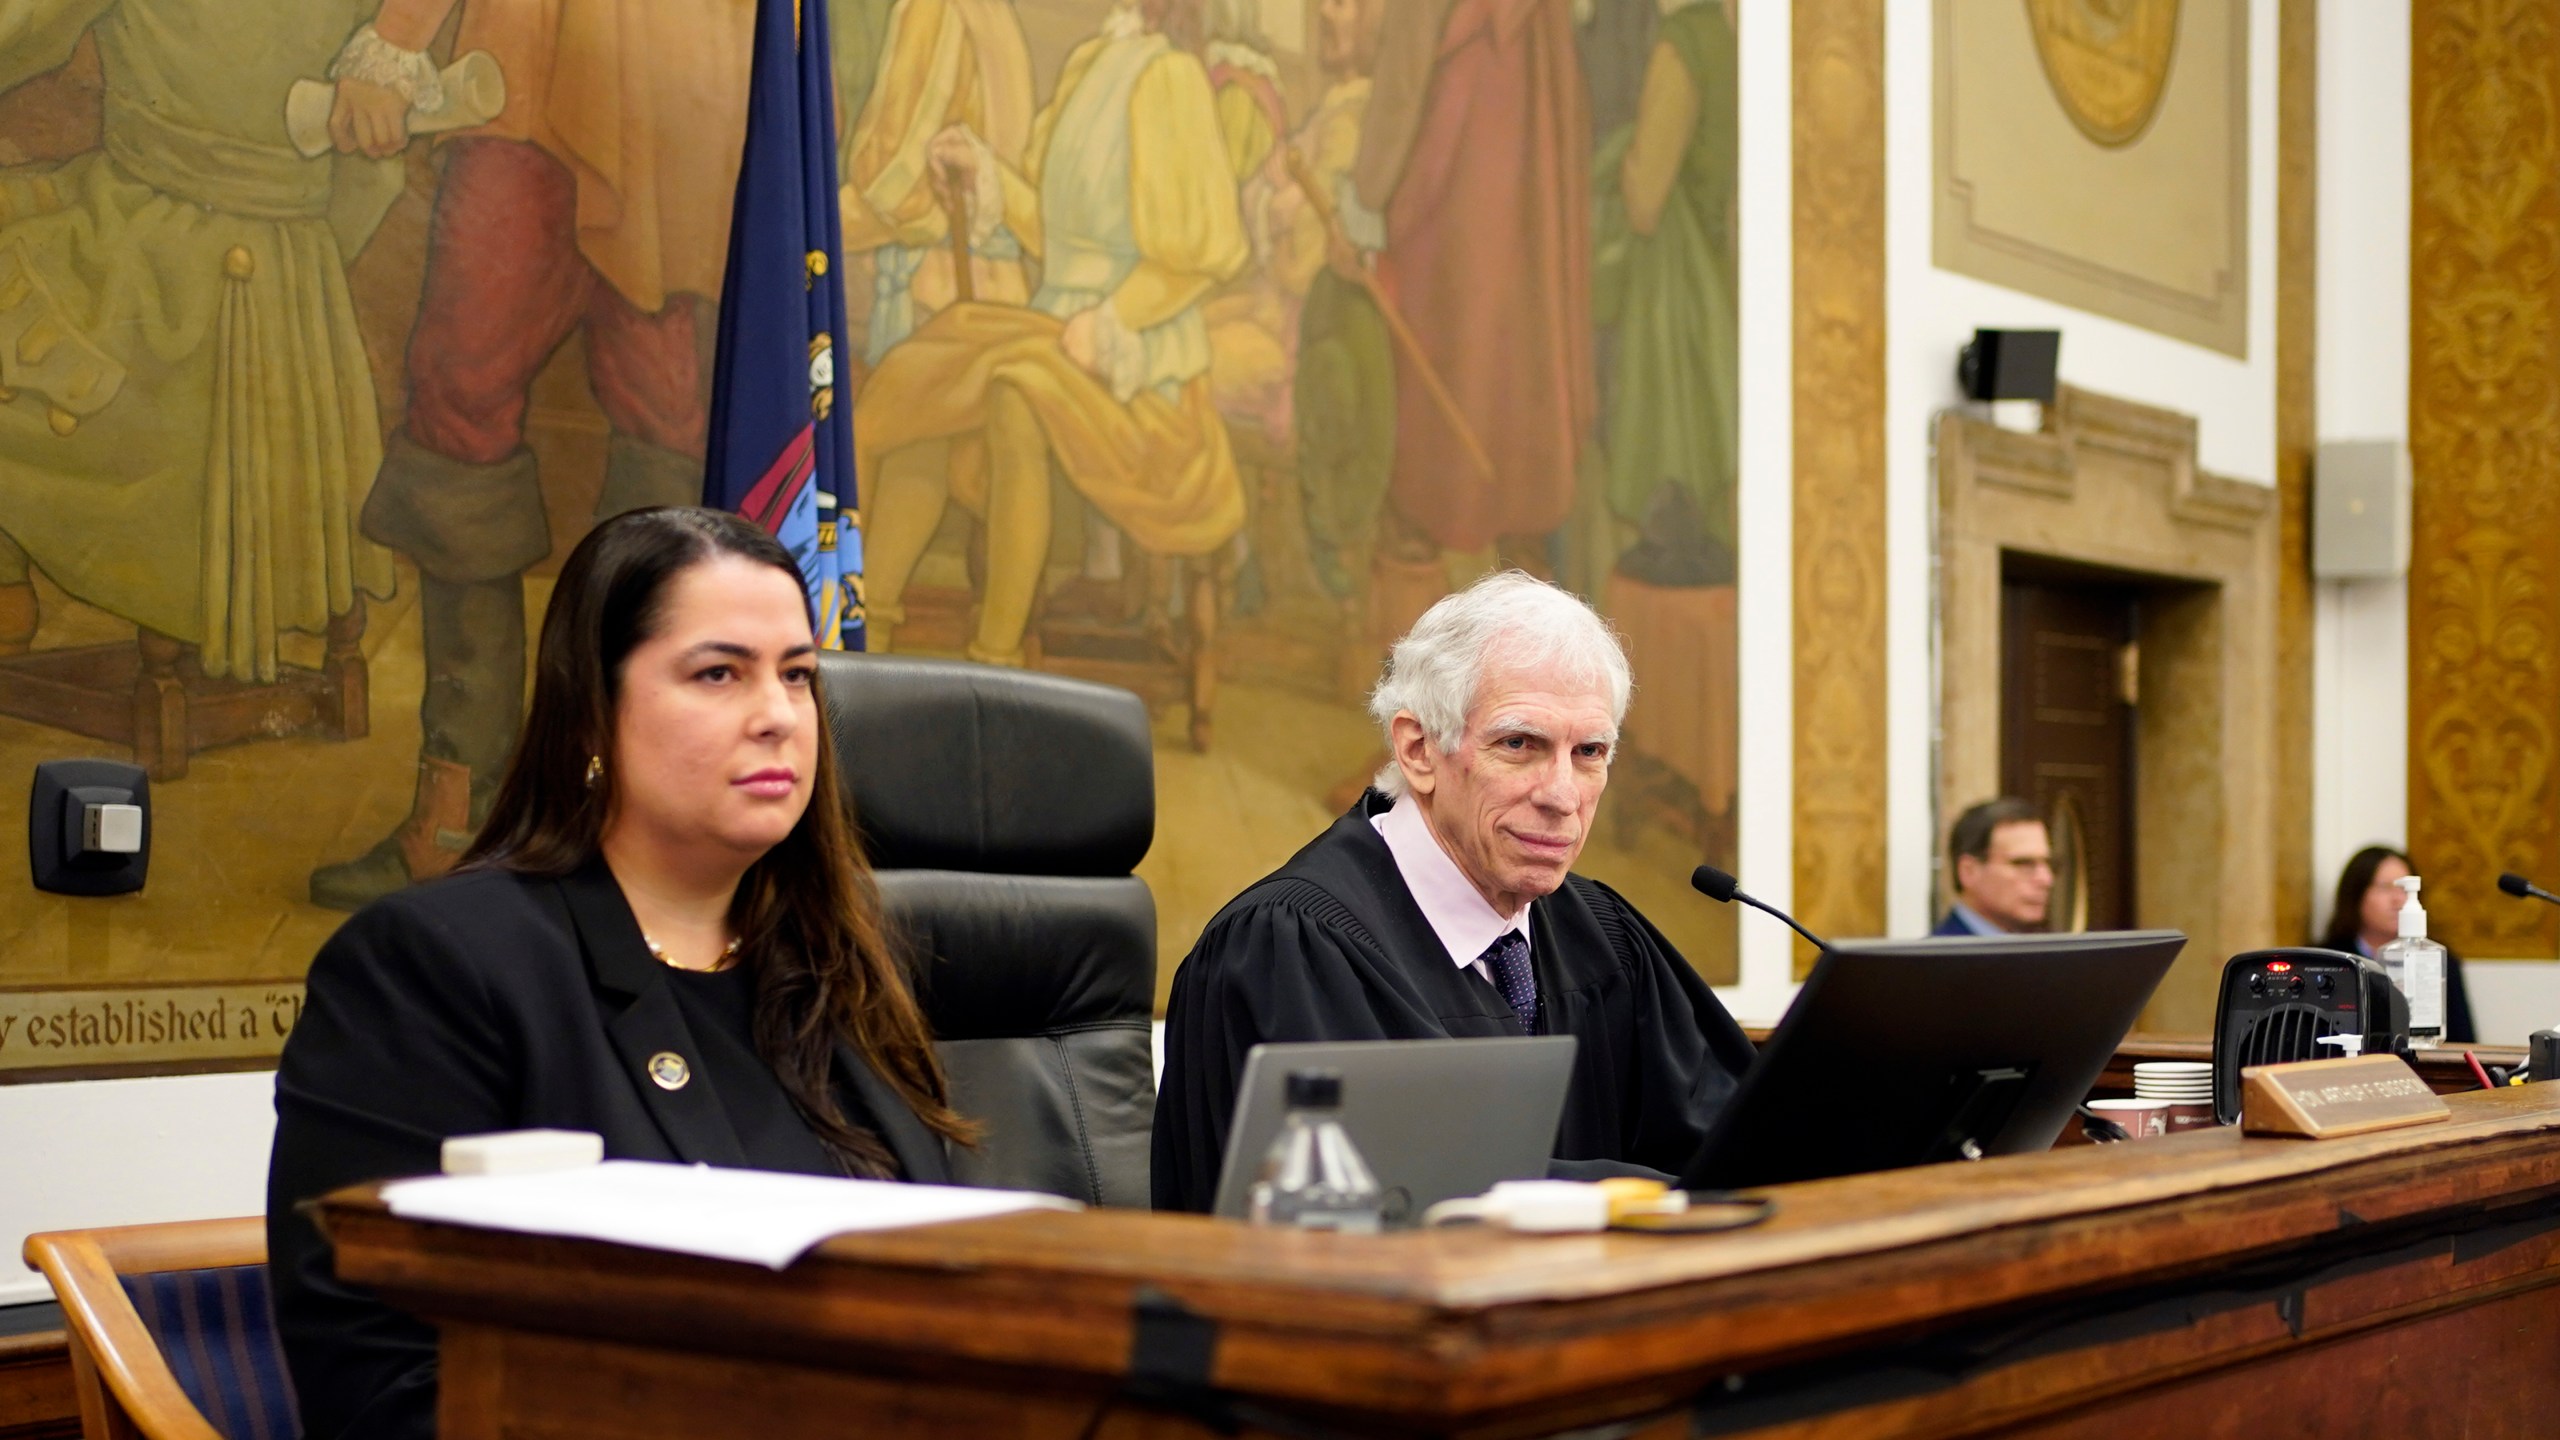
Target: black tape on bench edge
{"points": [[1170, 1347]]}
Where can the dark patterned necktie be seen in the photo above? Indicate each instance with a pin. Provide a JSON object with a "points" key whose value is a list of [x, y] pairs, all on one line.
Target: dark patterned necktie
{"points": [[1507, 960]]}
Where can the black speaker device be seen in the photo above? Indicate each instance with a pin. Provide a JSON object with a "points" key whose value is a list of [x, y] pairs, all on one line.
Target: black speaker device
{"points": [[2276, 1005], [2010, 365]]}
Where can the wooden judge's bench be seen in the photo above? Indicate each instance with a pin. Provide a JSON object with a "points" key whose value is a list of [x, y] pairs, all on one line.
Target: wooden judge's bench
{"points": [[2403, 1283]]}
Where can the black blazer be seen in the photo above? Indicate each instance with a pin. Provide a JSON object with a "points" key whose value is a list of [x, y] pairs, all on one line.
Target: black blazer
{"points": [[485, 1001]]}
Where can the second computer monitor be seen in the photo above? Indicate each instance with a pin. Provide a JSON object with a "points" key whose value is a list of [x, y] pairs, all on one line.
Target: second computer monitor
{"points": [[1904, 1052]]}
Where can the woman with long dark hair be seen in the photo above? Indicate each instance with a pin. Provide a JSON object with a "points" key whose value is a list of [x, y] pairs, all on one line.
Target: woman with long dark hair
{"points": [[665, 933], [2365, 916]]}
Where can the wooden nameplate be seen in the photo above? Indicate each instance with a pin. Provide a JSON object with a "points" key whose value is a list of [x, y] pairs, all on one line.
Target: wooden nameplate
{"points": [[2324, 1099]]}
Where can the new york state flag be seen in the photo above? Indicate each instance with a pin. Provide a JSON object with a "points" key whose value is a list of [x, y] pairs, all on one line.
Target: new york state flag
{"points": [[781, 439]]}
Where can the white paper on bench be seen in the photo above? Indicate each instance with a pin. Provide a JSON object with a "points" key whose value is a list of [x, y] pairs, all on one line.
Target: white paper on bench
{"points": [[757, 1216]]}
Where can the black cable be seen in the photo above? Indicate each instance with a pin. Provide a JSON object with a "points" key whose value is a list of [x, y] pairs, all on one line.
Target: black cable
{"points": [[2099, 1128], [1758, 904]]}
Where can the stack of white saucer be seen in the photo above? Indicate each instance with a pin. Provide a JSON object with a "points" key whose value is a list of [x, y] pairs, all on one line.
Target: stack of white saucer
{"points": [[2179, 1082]]}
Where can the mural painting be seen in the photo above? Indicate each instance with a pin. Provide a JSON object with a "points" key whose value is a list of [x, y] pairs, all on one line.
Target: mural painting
{"points": [[1201, 345]]}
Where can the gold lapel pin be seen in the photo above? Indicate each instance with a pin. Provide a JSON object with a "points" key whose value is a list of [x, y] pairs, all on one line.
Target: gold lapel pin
{"points": [[669, 1070]]}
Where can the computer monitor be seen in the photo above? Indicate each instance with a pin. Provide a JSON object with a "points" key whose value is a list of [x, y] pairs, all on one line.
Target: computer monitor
{"points": [[1906, 1052]]}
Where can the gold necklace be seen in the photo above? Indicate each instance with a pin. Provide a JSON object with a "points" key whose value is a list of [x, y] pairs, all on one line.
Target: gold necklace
{"points": [[658, 953]]}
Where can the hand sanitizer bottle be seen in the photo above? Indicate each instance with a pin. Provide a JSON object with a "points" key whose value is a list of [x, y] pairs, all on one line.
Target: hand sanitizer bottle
{"points": [[2416, 964], [1312, 1176]]}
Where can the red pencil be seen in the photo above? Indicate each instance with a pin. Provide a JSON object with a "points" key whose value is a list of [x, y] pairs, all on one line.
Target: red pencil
{"points": [[2478, 1071]]}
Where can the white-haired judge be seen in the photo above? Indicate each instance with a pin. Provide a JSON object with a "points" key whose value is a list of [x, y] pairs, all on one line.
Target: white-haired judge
{"points": [[1444, 904]]}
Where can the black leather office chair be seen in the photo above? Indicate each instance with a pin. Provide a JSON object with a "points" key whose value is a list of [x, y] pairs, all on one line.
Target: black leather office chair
{"points": [[1003, 811]]}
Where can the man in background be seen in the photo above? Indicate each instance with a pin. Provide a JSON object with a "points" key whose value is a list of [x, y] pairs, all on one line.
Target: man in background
{"points": [[2003, 870]]}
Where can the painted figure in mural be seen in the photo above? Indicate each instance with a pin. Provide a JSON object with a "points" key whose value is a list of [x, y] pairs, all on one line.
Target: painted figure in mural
{"points": [[1614, 39], [1251, 316], [1252, 115], [1126, 195], [860, 30], [1342, 395], [187, 421], [944, 63], [594, 204], [1473, 187], [941, 63], [1254, 323], [1253, 118], [1669, 269]]}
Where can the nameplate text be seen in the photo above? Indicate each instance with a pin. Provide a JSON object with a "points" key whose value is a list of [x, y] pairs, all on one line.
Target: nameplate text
{"points": [[2323, 1099]]}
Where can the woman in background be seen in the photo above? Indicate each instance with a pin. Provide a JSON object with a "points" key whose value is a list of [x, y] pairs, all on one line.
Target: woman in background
{"points": [[2366, 916], [656, 937]]}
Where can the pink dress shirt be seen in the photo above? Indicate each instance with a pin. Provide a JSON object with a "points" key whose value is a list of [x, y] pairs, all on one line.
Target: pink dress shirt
{"points": [[1465, 921]]}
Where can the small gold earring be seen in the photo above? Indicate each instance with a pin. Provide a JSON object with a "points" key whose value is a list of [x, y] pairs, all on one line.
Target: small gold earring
{"points": [[595, 770]]}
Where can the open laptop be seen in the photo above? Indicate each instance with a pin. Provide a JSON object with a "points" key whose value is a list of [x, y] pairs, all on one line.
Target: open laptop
{"points": [[1434, 1118], [1906, 1052]]}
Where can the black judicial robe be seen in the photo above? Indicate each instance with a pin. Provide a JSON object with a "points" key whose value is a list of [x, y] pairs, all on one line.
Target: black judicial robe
{"points": [[1331, 946], [494, 1001]]}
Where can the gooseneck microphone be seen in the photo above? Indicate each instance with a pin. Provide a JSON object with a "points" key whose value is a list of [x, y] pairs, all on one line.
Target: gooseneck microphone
{"points": [[1722, 888], [2521, 888]]}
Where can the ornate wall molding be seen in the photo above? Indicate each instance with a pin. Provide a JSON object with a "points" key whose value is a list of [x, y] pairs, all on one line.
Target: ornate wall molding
{"points": [[1839, 467], [2113, 486], [2484, 442], [2029, 192], [2297, 436]]}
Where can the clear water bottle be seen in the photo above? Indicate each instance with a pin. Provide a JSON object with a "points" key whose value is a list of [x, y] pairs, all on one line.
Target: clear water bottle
{"points": [[1313, 1176]]}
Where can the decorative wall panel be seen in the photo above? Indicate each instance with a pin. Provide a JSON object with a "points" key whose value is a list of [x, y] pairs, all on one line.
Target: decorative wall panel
{"points": [[2096, 153], [2484, 441], [1840, 467], [2112, 487]]}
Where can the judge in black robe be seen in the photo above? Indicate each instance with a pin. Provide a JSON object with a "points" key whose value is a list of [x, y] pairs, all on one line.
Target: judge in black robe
{"points": [[1332, 946]]}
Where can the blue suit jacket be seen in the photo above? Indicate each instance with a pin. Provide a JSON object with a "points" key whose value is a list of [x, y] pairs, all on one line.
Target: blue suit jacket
{"points": [[1950, 924]]}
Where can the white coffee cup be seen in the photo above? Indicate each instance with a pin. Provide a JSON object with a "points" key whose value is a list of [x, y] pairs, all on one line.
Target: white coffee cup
{"points": [[2139, 1119]]}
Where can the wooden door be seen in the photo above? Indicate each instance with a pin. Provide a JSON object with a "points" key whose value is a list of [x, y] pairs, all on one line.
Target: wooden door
{"points": [[2067, 698]]}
